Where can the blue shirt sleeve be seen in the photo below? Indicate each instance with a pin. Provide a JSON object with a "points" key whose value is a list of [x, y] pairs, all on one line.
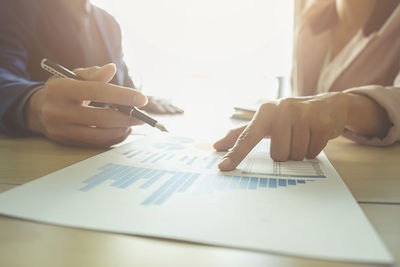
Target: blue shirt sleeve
{"points": [[16, 85]]}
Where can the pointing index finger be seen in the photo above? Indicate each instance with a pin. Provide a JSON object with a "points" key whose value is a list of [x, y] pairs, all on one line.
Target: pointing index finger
{"points": [[257, 129]]}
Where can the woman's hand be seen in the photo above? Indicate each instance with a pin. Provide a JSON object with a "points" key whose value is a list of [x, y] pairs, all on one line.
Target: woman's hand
{"points": [[298, 127], [61, 112]]}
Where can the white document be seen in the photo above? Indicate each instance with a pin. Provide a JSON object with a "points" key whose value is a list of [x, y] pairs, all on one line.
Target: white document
{"points": [[170, 187]]}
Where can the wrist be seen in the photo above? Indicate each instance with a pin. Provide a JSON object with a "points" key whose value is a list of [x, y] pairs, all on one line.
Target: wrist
{"points": [[366, 117], [32, 111]]}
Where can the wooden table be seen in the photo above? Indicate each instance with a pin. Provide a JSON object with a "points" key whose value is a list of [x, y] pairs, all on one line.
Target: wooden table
{"points": [[372, 175]]}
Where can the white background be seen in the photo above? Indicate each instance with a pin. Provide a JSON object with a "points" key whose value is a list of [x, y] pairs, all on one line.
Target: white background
{"points": [[226, 50]]}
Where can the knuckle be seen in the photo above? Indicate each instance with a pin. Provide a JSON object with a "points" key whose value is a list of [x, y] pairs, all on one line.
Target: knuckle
{"points": [[278, 155], [297, 153], [244, 135], [266, 107], [286, 103], [297, 157], [47, 113]]}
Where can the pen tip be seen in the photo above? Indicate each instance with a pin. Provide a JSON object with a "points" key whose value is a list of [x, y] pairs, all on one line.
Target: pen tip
{"points": [[161, 127]]}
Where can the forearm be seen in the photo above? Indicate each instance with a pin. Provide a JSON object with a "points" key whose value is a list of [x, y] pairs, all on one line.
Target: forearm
{"points": [[366, 117]]}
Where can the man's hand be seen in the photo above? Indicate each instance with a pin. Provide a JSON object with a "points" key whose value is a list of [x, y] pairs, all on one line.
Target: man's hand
{"points": [[60, 109]]}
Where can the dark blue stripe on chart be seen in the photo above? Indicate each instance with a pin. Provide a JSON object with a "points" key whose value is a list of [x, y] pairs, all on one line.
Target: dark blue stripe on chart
{"points": [[189, 182], [156, 176], [162, 188], [282, 182], [301, 181], [253, 183], [272, 183], [244, 182], [285, 175], [291, 182], [263, 182]]}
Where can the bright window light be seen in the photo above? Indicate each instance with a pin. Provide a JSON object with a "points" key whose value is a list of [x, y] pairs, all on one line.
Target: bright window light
{"points": [[227, 49]]}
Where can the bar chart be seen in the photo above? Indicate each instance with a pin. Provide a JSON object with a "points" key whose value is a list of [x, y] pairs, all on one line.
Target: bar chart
{"points": [[164, 184], [185, 158]]}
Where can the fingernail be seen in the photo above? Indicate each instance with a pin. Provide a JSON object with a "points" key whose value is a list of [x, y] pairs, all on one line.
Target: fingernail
{"points": [[110, 64], [225, 164]]}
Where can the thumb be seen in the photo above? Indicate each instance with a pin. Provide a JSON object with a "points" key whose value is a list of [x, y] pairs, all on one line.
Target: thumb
{"points": [[229, 140], [95, 73]]}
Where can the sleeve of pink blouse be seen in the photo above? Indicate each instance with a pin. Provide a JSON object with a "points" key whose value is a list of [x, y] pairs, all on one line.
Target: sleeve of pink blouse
{"points": [[389, 99]]}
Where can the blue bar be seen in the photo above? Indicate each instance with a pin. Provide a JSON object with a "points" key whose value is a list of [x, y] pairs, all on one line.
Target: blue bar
{"points": [[108, 167], [121, 173], [132, 155], [226, 181], [263, 182], [244, 182], [170, 157], [150, 157], [133, 179], [172, 189], [253, 183], [191, 161], [189, 182], [282, 182], [160, 157], [284, 175], [131, 172], [272, 183], [211, 164], [301, 181], [291, 182], [108, 173], [234, 182], [156, 176], [150, 174], [161, 189], [96, 180]]}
